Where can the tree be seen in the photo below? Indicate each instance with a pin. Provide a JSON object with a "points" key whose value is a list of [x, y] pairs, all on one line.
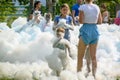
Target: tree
{"points": [[111, 5]]}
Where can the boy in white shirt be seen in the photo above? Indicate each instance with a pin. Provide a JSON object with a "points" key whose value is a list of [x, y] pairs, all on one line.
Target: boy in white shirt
{"points": [[62, 44]]}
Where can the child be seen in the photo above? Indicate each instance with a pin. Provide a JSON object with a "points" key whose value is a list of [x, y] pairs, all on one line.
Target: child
{"points": [[35, 12], [105, 13], [60, 42], [48, 23], [48, 17], [64, 45], [65, 14], [35, 16]]}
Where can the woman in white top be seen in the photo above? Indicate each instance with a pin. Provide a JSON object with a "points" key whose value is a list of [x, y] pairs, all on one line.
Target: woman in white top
{"points": [[89, 16]]}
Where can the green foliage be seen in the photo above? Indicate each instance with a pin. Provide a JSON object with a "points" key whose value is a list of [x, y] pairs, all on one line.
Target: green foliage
{"points": [[111, 6], [5, 10], [43, 9], [69, 2], [24, 2], [10, 20], [8, 11]]}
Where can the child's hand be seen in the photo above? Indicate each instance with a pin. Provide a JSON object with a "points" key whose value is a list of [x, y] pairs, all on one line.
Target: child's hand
{"points": [[38, 21], [67, 26]]}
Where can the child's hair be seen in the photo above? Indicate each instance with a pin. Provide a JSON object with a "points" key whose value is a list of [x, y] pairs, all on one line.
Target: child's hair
{"points": [[88, 0], [37, 2], [60, 30], [104, 6], [66, 5], [48, 15]]}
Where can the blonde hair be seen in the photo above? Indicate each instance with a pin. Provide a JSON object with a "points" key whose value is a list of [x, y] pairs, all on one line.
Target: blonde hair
{"points": [[67, 6], [88, 1], [60, 30]]}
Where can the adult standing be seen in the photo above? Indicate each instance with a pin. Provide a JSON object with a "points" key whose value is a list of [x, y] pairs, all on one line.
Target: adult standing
{"points": [[75, 11], [89, 16]]}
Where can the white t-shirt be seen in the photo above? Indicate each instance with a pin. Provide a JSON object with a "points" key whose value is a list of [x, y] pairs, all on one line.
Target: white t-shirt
{"points": [[91, 12]]}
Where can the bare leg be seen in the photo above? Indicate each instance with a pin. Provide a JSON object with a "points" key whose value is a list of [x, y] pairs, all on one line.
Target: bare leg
{"points": [[92, 48], [81, 51], [88, 59]]}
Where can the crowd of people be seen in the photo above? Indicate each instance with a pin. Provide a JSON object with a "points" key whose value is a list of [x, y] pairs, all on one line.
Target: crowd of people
{"points": [[89, 14]]}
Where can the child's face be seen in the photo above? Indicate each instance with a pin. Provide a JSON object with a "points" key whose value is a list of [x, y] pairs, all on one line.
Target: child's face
{"points": [[64, 11], [38, 5], [48, 17], [60, 34]]}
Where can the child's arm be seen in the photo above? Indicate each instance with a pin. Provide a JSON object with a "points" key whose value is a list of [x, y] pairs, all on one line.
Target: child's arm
{"points": [[69, 50], [67, 44], [70, 26], [67, 26]]}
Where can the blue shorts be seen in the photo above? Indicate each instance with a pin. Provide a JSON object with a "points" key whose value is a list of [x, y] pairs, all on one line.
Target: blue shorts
{"points": [[89, 33]]}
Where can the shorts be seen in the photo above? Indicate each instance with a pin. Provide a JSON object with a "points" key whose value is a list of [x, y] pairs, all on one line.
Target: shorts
{"points": [[89, 33]]}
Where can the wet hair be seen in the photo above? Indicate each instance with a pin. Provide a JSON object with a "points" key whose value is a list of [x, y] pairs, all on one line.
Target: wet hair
{"points": [[37, 2], [60, 30]]}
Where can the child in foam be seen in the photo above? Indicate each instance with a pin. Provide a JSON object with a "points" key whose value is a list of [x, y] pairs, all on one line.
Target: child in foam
{"points": [[64, 48], [48, 23], [59, 60], [65, 14], [60, 42]]}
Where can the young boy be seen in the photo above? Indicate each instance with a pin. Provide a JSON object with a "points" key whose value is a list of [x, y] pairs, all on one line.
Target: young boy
{"points": [[62, 44]]}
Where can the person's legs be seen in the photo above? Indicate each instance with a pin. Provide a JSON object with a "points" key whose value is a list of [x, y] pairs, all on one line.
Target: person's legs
{"points": [[81, 51], [92, 48], [88, 59]]}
